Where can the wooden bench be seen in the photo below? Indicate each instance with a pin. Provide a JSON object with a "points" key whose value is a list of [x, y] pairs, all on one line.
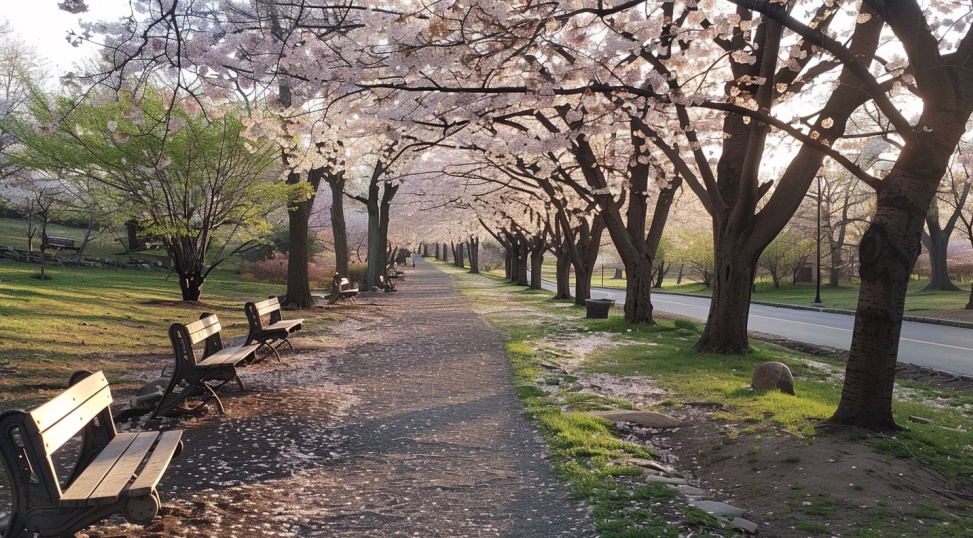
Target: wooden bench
{"points": [[195, 380], [112, 473], [342, 290], [59, 243], [386, 284], [266, 326]]}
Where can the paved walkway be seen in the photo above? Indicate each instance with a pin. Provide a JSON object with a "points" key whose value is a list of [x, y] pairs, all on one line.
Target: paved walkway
{"points": [[410, 428], [438, 446]]}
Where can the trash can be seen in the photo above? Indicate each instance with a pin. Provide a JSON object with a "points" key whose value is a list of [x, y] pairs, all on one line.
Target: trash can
{"points": [[598, 308]]}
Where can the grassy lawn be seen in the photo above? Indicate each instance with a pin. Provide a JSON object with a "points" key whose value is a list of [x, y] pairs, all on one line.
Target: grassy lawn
{"points": [[88, 318], [844, 298], [589, 454]]}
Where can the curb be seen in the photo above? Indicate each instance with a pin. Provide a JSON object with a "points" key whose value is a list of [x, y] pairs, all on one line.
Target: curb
{"points": [[915, 319]]}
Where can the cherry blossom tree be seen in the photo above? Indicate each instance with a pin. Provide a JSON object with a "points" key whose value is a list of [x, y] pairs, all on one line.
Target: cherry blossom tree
{"points": [[930, 62]]}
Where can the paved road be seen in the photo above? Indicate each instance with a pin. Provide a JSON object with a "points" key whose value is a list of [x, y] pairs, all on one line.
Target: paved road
{"points": [[947, 349]]}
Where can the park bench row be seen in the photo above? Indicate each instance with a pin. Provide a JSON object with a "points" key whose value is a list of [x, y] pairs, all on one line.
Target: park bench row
{"points": [[113, 472], [204, 364]]}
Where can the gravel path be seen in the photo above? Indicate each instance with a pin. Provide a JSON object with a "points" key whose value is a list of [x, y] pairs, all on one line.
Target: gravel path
{"points": [[410, 427]]}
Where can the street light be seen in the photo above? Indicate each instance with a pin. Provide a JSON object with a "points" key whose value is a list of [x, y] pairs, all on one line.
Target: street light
{"points": [[817, 295]]}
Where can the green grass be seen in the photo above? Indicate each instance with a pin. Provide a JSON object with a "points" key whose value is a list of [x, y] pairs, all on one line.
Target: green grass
{"points": [[102, 244], [87, 318], [582, 448], [845, 297]]}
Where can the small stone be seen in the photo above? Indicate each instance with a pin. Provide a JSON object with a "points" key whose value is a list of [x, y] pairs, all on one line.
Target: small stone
{"points": [[748, 527], [718, 509], [773, 375], [691, 491], [648, 419], [659, 479]]}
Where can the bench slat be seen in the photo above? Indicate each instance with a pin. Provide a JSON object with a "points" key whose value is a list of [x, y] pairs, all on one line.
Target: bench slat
{"points": [[264, 309], [125, 467], [203, 329], [91, 479], [230, 355], [154, 468], [59, 423], [54, 410], [286, 324]]}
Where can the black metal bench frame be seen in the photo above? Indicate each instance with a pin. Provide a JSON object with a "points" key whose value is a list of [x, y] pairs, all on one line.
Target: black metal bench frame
{"points": [[200, 378], [113, 473], [275, 331], [343, 290]]}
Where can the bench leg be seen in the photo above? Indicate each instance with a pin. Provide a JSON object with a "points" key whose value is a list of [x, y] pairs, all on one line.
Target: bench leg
{"points": [[272, 348], [212, 394]]}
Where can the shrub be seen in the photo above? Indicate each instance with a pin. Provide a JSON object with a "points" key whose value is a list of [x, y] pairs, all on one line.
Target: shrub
{"points": [[356, 272], [273, 270]]}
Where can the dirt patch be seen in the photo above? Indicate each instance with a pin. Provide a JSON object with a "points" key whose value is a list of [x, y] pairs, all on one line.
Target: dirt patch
{"points": [[832, 483]]}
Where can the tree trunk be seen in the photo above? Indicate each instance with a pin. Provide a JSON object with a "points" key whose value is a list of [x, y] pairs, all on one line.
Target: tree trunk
{"points": [[522, 262], [638, 286], [563, 275], [937, 244], [191, 286], [887, 254], [726, 325], [837, 259], [618, 274], [969, 305], [298, 217], [660, 273], [437, 250], [131, 230], [536, 262], [376, 248], [341, 255], [474, 248], [460, 255], [384, 216]]}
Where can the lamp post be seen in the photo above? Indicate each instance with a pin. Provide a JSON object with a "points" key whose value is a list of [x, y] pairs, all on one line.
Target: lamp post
{"points": [[817, 295]]}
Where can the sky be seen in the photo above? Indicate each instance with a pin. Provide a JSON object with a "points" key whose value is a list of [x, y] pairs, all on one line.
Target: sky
{"points": [[42, 24]]}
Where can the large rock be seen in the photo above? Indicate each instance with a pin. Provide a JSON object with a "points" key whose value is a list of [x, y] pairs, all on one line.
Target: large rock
{"points": [[773, 375], [648, 419]]}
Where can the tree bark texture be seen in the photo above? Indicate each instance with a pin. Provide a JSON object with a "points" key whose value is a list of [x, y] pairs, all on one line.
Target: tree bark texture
{"points": [[191, 286], [937, 244], [536, 262], [474, 248], [563, 275], [298, 255], [887, 255], [523, 263], [338, 225], [726, 324]]}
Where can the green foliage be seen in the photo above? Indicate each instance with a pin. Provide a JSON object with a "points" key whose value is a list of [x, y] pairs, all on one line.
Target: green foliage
{"points": [[187, 176], [785, 255], [695, 248]]}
